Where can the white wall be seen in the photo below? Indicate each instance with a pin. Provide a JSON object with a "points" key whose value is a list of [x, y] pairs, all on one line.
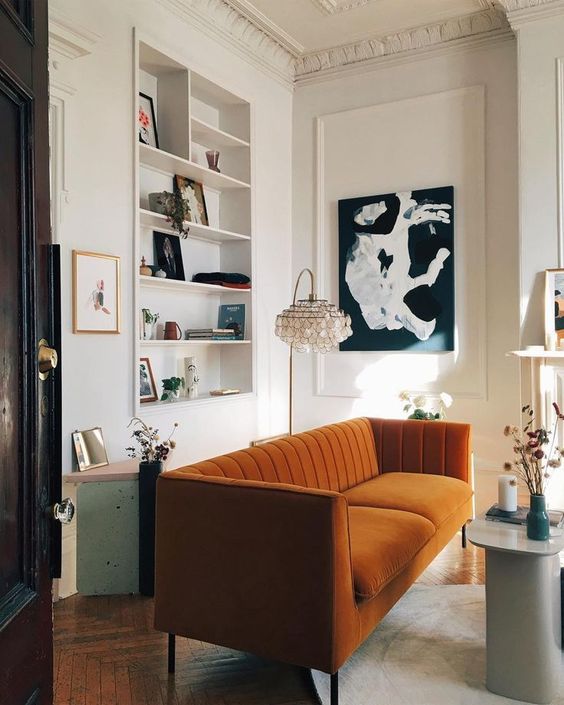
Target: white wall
{"points": [[371, 122], [97, 215]]}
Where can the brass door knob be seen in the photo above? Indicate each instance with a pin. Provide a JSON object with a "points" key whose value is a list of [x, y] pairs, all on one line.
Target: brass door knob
{"points": [[47, 359], [63, 511]]}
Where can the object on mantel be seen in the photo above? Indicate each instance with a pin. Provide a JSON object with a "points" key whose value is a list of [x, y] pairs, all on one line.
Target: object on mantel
{"points": [[144, 269], [231, 280]]}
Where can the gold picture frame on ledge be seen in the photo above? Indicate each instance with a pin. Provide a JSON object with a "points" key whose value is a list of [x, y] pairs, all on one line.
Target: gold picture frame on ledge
{"points": [[554, 309], [96, 296]]}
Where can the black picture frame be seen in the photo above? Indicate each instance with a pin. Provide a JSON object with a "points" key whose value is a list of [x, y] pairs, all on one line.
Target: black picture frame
{"points": [[168, 255], [151, 108]]}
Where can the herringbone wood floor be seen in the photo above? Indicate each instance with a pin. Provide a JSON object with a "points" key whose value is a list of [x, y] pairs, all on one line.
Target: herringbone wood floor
{"points": [[107, 653]]}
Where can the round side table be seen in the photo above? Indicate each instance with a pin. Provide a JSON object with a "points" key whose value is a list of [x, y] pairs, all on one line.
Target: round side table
{"points": [[523, 610]]}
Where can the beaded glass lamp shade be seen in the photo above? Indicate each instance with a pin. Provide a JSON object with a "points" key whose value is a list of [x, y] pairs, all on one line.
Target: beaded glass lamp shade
{"points": [[313, 325]]}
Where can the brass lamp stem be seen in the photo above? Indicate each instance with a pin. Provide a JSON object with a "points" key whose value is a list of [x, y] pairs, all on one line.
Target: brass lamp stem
{"points": [[312, 295]]}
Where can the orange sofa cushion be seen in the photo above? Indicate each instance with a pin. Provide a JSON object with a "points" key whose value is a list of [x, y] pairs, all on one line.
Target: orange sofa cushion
{"points": [[383, 542], [431, 496]]}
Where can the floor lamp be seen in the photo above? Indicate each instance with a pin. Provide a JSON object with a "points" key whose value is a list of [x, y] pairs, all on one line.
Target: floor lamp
{"points": [[310, 324]]}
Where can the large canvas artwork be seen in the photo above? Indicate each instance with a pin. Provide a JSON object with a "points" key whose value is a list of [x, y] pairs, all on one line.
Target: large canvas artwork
{"points": [[396, 270]]}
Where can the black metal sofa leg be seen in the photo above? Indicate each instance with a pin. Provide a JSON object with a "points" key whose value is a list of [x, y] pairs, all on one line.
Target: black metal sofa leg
{"points": [[335, 688], [171, 652], [464, 536]]}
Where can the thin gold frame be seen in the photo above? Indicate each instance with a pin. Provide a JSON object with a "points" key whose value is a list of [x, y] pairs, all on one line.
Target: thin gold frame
{"points": [[114, 258]]}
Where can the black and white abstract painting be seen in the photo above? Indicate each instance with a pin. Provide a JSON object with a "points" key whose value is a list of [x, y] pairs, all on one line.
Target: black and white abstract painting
{"points": [[396, 270]]}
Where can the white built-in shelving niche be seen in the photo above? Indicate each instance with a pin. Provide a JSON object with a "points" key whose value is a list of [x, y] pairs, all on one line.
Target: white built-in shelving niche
{"points": [[194, 114]]}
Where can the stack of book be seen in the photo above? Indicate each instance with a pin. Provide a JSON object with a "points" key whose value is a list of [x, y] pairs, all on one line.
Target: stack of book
{"points": [[494, 513], [211, 334]]}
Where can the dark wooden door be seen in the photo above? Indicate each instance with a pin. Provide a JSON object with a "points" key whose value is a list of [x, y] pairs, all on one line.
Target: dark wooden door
{"points": [[28, 445]]}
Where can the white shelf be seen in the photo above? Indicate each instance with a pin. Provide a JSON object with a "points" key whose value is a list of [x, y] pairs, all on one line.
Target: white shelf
{"points": [[547, 354], [187, 343], [167, 163], [153, 406], [188, 287], [148, 219], [211, 136]]}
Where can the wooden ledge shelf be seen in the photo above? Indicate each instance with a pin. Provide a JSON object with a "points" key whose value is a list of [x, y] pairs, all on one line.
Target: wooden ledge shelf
{"points": [[170, 164], [114, 472]]}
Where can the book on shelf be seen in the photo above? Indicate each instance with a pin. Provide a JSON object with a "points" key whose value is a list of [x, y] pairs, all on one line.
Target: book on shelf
{"points": [[210, 331], [212, 337], [232, 316], [494, 513], [224, 392]]}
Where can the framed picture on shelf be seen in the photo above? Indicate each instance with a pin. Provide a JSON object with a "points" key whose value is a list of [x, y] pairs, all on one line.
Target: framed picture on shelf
{"points": [[193, 193], [554, 309], [168, 255], [95, 292], [146, 121], [147, 386]]}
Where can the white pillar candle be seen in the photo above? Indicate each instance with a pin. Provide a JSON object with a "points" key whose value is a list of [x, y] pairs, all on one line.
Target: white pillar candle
{"points": [[507, 493]]}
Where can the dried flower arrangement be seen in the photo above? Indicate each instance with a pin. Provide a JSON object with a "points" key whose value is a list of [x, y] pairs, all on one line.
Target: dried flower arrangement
{"points": [[416, 403], [533, 462], [150, 447]]}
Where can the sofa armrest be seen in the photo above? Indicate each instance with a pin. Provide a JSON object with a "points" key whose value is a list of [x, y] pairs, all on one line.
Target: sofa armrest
{"points": [[257, 567], [435, 447]]}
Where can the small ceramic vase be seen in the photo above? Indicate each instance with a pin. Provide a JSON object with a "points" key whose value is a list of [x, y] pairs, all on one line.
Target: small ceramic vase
{"points": [[538, 523], [212, 155], [160, 273], [144, 270]]}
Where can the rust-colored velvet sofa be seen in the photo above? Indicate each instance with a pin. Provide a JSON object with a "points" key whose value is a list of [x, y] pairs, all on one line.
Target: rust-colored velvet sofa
{"points": [[295, 550]]}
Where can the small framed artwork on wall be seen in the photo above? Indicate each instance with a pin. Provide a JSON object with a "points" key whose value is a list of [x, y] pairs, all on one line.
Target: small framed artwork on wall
{"points": [[95, 292], [146, 121], [554, 309], [147, 386]]}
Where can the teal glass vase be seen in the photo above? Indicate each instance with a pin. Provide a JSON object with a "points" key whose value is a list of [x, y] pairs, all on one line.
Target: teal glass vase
{"points": [[538, 523]]}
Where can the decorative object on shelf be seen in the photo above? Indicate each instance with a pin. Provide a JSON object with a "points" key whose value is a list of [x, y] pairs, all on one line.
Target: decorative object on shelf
{"points": [[174, 207], [144, 269], [211, 334], [230, 280], [192, 379], [172, 331], [157, 202], [407, 301], [152, 453], [160, 274], [168, 255], [232, 317], [554, 308], [149, 320], [519, 516], [90, 449], [507, 493], [416, 403], [96, 292], [193, 193], [224, 392], [212, 155], [146, 122], [536, 456], [171, 388], [310, 324], [147, 386]]}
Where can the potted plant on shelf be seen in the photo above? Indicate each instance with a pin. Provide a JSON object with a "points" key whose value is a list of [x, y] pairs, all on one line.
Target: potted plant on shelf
{"points": [[174, 207], [415, 405], [171, 388], [536, 455], [152, 453], [149, 322]]}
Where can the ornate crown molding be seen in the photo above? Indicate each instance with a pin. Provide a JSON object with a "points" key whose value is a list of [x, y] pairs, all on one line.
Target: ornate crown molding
{"points": [[520, 12], [480, 23], [67, 38], [331, 7], [225, 23]]}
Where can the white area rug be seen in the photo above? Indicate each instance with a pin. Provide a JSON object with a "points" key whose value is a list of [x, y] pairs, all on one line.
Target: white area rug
{"points": [[429, 650]]}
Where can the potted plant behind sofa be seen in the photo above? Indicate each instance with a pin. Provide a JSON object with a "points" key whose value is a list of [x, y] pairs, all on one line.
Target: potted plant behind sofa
{"points": [[152, 453], [416, 404]]}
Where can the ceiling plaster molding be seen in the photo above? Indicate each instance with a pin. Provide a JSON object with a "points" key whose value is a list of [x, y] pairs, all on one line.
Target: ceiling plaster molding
{"points": [[260, 20], [480, 23], [69, 39], [225, 23], [519, 12], [331, 7]]}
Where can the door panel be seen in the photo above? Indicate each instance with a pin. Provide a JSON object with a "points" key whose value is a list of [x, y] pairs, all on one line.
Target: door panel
{"points": [[27, 460]]}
